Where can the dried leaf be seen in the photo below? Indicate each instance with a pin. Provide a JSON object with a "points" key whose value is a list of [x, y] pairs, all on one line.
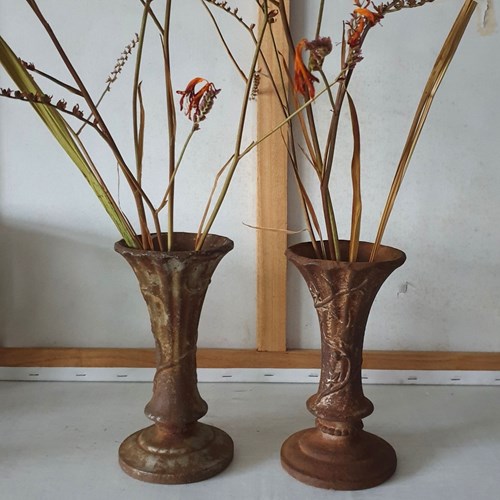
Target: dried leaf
{"points": [[435, 78], [60, 130], [356, 183]]}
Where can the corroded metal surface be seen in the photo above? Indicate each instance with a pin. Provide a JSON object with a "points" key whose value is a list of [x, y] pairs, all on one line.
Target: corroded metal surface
{"points": [[337, 453], [176, 449]]}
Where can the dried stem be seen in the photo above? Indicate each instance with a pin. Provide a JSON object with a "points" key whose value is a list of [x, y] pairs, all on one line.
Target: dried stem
{"points": [[152, 14], [223, 40], [435, 78], [239, 136], [138, 130], [172, 178], [138, 194], [320, 18], [221, 4], [31, 67], [113, 76], [171, 120]]}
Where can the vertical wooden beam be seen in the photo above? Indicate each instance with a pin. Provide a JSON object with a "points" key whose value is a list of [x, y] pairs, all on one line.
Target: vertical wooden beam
{"points": [[271, 207]]}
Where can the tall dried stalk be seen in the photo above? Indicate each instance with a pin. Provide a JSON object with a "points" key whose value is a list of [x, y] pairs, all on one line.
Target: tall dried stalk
{"points": [[436, 77], [295, 105], [69, 142], [366, 16], [199, 103]]}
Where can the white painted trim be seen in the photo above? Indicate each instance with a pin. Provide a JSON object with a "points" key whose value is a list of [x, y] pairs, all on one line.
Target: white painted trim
{"points": [[283, 375]]}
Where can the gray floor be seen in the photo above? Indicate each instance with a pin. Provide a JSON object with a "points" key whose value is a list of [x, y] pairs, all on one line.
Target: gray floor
{"points": [[59, 440]]}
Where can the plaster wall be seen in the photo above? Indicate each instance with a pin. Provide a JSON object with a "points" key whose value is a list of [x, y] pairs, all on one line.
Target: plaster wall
{"points": [[446, 218], [61, 284]]}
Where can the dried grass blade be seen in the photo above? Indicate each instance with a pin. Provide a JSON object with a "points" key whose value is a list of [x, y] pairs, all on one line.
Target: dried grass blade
{"points": [[437, 74], [356, 183], [210, 198], [309, 215], [140, 137], [60, 130], [343, 49]]}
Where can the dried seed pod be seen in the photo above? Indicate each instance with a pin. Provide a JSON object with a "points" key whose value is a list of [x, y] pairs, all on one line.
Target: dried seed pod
{"points": [[120, 62], [255, 85]]}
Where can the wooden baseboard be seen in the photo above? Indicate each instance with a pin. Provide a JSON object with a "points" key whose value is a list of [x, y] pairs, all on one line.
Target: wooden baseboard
{"points": [[243, 358]]}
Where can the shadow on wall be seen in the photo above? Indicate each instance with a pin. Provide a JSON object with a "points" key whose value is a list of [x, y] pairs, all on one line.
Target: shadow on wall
{"points": [[62, 290]]}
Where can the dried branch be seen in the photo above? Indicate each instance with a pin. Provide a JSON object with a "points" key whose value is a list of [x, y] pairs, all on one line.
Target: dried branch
{"points": [[233, 11], [31, 67], [223, 40]]}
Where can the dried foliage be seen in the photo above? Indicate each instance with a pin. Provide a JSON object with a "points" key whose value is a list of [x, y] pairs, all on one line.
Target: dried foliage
{"points": [[296, 89], [307, 75], [197, 101]]}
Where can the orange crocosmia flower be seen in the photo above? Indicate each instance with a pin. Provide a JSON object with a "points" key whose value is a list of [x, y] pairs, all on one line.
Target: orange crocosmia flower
{"points": [[373, 17], [194, 99], [355, 34], [303, 78], [189, 92]]}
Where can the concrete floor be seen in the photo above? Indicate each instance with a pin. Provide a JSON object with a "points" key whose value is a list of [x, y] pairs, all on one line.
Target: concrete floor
{"points": [[59, 440]]}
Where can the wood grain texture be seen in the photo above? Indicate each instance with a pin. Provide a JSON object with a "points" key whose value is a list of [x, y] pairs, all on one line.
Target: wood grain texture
{"points": [[241, 358], [272, 164]]}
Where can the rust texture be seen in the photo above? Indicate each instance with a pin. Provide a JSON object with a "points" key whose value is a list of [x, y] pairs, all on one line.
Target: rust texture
{"points": [[177, 448], [337, 453]]}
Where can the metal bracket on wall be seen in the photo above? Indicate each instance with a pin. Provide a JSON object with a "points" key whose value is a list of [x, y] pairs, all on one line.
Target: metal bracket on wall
{"points": [[255, 375]]}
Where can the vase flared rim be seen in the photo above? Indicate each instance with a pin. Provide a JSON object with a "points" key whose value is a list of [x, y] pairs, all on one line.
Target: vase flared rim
{"points": [[184, 246], [304, 251]]}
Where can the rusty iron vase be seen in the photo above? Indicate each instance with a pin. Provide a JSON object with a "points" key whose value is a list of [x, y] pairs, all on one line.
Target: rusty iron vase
{"points": [[337, 453], [177, 448]]}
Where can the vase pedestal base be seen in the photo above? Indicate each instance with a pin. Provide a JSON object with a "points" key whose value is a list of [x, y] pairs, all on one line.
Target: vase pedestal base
{"points": [[156, 456], [354, 462]]}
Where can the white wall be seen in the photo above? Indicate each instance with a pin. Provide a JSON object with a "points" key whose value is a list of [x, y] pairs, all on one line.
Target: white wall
{"points": [[61, 282], [448, 212]]}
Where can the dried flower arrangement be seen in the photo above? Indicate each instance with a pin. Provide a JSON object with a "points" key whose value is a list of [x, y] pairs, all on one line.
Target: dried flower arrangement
{"points": [[295, 90], [303, 138], [195, 101]]}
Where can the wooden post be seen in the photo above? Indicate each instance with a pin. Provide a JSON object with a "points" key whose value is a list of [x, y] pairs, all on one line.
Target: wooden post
{"points": [[271, 207]]}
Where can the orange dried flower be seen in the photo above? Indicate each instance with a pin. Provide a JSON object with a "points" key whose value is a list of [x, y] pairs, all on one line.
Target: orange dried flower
{"points": [[303, 78], [200, 102], [372, 17], [355, 33], [360, 16]]}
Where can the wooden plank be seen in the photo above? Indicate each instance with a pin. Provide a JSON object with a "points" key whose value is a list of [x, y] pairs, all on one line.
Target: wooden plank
{"points": [[272, 163], [241, 358]]}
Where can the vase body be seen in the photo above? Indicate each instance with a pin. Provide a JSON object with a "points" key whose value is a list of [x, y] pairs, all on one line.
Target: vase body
{"points": [[337, 453], [176, 448]]}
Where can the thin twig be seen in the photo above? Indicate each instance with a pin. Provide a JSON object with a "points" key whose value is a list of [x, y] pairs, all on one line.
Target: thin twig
{"points": [[223, 40], [172, 178], [66, 86], [239, 136]]}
